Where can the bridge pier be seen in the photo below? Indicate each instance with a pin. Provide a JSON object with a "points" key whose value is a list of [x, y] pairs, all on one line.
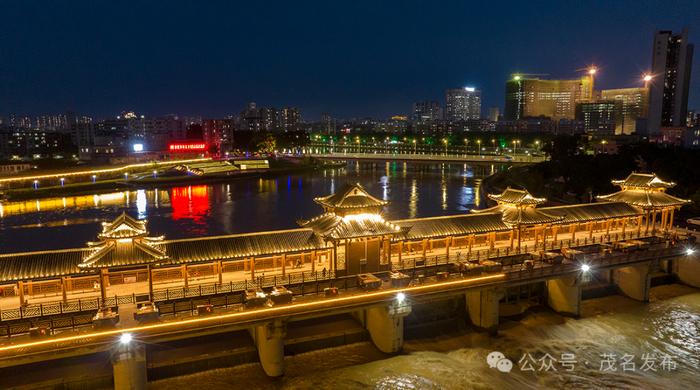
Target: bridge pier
{"points": [[129, 366], [482, 306], [634, 281], [564, 295], [269, 340], [385, 324], [688, 270]]}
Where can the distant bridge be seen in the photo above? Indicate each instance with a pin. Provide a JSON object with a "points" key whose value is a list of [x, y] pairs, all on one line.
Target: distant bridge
{"points": [[452, 158]]}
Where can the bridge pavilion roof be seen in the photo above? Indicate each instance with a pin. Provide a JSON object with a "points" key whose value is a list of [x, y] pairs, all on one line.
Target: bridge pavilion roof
{"points": [[352, 198], [644, 190], [518, 208], [351, 213]]}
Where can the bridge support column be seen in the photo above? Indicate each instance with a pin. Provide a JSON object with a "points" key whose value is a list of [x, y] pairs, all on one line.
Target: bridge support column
{"points": [[385, 325], [689, 270], [129, 367], [482, 306], [634, 281], [269, 340], [564, 295]]}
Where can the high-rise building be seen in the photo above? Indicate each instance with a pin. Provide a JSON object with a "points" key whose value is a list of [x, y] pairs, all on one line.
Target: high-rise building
{"points": [[634, 106], [218, 134], [533, 97], [288, 119], [600, 117], [462, 104], [426, 111], [494, 113], [671, 62]]}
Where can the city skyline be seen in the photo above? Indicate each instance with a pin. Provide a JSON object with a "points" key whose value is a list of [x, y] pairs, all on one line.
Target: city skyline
{"points": [[159, 65]]}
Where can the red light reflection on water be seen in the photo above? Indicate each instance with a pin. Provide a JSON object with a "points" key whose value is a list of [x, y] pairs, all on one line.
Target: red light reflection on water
{"points": [[191, 202]]}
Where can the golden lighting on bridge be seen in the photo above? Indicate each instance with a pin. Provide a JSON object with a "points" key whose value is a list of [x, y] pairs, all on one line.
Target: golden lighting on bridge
{"points": [[267, 312], [98, 171]]}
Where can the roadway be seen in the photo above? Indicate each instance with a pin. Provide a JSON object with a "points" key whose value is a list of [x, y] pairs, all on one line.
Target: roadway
{"points": [[419, 157]]}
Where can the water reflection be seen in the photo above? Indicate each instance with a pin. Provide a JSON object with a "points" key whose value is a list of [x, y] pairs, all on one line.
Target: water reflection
{"points": [[243, 205]]}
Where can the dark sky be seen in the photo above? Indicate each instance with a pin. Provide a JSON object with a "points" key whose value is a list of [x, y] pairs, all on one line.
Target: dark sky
{"points": [[350, 58]]}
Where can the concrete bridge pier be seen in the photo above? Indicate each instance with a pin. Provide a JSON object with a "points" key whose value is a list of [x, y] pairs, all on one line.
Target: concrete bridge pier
{"points": [[269, 340], [564, 295], [129, 366], [634, 281], [688, 270], [482, 306], [385, 324]]}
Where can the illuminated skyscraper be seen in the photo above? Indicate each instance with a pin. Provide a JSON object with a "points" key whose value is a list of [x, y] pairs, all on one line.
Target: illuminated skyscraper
{"points": [[672, 58], [462, 104], [533, 97], [600, 117], [426, 111], [635, 106]]}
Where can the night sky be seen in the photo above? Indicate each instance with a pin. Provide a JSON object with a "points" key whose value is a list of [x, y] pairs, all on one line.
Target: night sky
{"points": [[351, 59]]}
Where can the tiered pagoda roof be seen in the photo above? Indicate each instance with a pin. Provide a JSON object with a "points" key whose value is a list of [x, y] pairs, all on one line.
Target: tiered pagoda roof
{"points": [[352, 198], [123, 241], [644, 190], [350, 213], [518, 208]]}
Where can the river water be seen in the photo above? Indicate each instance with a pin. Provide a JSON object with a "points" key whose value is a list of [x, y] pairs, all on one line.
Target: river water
{"points": [[239, 205], [665, 332], [650, 346]]}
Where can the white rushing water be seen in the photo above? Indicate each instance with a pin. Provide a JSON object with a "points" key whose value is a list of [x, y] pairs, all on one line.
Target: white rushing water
{"points": [[661, 339]]}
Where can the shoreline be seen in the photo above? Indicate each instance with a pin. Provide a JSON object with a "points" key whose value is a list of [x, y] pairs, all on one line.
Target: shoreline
{"points": [[121, 185]]}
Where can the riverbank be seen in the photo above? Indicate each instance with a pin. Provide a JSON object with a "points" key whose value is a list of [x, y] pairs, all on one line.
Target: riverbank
{"points": [[277, 167]]}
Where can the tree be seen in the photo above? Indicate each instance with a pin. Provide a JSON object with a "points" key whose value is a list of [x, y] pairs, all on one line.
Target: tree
{"points": [[268, 144]]}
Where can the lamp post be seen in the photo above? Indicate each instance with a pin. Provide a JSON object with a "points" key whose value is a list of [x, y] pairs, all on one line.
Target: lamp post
{"points": [[493, 143], [414, 146], [466, 146], [478, 143], [63, 181], [444, 141], [647, 79]]}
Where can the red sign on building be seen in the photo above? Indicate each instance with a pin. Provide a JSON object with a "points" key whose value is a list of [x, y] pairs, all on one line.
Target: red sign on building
{"points": [[187, 147]]}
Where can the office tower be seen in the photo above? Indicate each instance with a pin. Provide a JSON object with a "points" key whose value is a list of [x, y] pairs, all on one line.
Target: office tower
{"points": [[426, 111], [634, 106], [533, 97], [672, 58], [462, 104], [602, 117], [218, 134]]}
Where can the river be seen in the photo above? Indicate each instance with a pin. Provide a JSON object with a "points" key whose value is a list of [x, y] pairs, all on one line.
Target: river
{"points": [[239, 205], [654, 345]]}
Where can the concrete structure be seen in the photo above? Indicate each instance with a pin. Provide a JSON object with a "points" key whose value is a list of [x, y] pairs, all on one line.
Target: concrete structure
{"points": [[671, 64], [564, 295], [634, 106], [555, 99], [462, 104]]}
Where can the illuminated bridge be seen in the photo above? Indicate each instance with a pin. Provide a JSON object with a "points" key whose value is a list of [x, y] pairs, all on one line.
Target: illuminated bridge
{"points": [[349, 260]]}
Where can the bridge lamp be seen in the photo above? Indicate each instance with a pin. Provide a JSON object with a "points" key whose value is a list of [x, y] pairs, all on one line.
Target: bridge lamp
{"points": [[585, 268], [125, 338], [400, 297], [689, 251]]}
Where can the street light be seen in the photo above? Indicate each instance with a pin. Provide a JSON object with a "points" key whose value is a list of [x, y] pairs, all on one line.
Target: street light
{"points": [[125, 338], [444, 141], [400, 297], [478, 142], [647, 79], [585, 268], [63, 181], [414, 146], [493, 143]]}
